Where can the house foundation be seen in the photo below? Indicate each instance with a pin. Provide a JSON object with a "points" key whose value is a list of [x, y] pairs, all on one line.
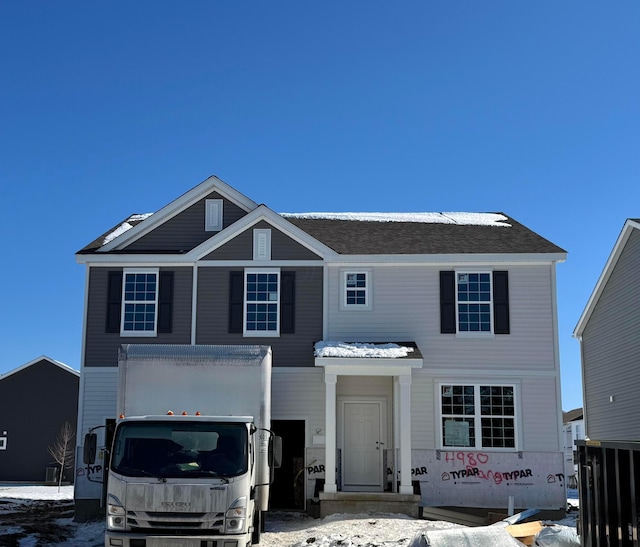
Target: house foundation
{"points": [[367, 502]]}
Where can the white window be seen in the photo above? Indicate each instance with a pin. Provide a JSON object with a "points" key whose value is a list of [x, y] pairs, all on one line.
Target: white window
{"points": [[262, 244], [3, 441], [213, 215], [139, 302], [262, 302], [473, 297], [478, 416], [356, 289]]}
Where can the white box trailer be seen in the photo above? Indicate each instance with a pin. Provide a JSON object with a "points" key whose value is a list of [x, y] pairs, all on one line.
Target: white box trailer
{"points": [[192, 454]]}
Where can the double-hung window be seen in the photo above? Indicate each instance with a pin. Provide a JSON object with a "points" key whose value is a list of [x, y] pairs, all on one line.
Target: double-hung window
{"points": [[262, 303], [473, 292], [478, 416], [139, 302], [356, 289]]}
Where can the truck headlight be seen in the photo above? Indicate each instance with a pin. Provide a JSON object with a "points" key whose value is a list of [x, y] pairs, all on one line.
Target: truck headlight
{"points": [[116, 517], [235, 516]]}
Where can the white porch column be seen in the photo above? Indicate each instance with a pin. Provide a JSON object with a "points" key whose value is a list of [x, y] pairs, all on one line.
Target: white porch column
{"points": [[405, 434], [330, 428]]}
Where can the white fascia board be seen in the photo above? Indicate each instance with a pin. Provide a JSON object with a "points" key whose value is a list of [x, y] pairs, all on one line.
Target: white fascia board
{"points": [[354, 366], [64, 367], [118, 260], [260, 213], [176, 206], [604, 276], [519, 259]]}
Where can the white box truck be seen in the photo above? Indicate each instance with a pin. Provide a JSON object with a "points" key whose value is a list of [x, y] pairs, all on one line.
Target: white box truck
{"points": [[192, 453]]}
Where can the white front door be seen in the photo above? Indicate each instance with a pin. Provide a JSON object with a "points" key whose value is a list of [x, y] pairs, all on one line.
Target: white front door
{"points": [[362, 449]]}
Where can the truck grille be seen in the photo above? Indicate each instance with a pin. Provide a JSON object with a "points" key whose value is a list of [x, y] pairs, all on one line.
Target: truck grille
{"points": [[212, 523]]}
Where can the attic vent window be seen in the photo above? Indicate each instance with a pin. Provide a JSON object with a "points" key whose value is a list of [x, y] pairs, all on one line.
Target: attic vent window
{"points": [[262, 244], [213, 215]]}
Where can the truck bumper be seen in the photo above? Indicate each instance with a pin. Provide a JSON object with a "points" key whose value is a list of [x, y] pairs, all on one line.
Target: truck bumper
{"points": [[124, 539]]}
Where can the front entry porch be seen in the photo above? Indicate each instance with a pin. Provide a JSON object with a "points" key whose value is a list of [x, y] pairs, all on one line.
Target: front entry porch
{"points": [[365, 418]]}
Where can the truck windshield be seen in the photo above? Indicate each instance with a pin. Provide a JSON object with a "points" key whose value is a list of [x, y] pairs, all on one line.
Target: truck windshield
{"points": [[167, 449]]}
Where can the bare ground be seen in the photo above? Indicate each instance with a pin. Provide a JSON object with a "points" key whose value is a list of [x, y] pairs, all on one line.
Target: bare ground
{"points": [[37, 520]]}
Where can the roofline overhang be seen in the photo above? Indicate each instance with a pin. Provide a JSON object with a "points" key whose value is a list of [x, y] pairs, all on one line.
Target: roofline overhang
{"points": [[609, 266], [331, 258], [176, 206], [449, 259]]}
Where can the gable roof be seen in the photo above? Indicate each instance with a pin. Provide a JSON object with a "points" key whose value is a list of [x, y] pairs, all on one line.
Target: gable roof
{"points": [[137, 224], [630, 225], [350, 233], [64, 367]]}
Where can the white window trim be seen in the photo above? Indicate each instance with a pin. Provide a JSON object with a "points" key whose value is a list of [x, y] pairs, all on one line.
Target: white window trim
{"points": [[477, 416], [262, 333], [213, 215], [368, 289], [262, 244], [474, 334], [139, 333]]}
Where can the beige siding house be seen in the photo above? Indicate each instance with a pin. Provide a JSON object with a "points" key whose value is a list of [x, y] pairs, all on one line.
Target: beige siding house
{"points": [[415, 355]]}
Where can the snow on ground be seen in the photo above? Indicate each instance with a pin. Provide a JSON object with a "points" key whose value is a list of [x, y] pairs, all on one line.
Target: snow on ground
{"points": [[282, 529]]}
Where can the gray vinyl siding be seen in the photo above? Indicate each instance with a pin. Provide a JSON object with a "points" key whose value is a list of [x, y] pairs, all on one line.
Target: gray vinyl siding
{"points": [[611, 352], [102, 347], [405, 306], [423, 406], [186, 230], [100, 393], [282, 247], [289, 350], [299, 394], [540, 420]]}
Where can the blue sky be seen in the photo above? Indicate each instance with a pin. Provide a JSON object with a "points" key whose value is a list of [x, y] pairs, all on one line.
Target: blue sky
{"points": [[112, 108]]}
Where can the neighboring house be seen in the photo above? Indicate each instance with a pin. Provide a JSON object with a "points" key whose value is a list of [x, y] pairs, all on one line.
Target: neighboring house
{"points": [[609, 335], [447, 383], [609, 458], [573, 429], [36, 400]]}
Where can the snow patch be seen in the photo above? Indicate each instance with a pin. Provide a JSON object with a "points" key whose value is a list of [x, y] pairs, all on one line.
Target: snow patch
{"points": [[463, 219], [361, 350], [124, 227]]}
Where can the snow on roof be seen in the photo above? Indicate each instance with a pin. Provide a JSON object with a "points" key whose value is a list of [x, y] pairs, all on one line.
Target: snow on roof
{"points": [[124, 227], [362, 350], [468, 219]]}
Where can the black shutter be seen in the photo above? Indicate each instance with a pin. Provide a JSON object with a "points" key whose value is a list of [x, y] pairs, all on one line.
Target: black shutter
{"points": [[447, 302], [236, 301], [501, 302], [288, 302], [114, 301], [165, 302]]}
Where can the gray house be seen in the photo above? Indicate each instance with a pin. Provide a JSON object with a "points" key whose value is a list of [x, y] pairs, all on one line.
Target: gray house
{"points": [[36, 399], [415, 355], [609, 335]]}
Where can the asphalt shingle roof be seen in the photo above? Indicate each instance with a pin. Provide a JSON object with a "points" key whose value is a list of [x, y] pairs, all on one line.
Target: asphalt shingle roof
{"points": [[365, 237], [362, 237]]}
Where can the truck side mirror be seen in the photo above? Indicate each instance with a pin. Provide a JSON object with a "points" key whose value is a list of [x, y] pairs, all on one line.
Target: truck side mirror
{"points": [[90, 448]]}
